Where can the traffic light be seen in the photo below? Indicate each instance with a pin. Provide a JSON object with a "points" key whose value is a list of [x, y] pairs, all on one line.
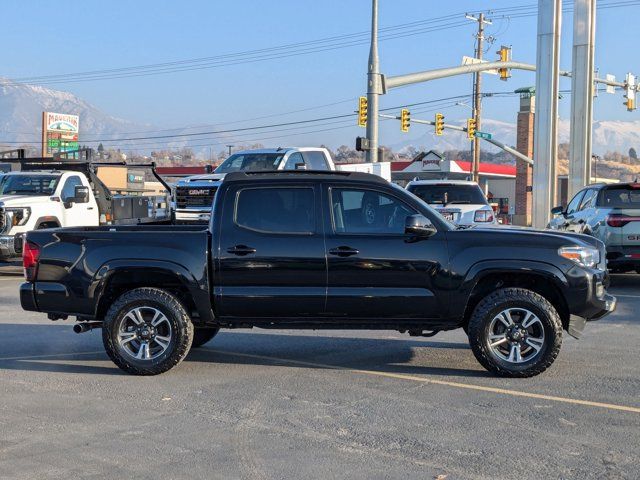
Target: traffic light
{"points": [[504, 55], [362, 112], [405, 120], [471, 128], [439, 123], [630, 95]]}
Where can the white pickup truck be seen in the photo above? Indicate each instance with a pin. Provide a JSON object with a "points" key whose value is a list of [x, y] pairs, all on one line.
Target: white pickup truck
{"points": [[43, 196], [193, 196]]}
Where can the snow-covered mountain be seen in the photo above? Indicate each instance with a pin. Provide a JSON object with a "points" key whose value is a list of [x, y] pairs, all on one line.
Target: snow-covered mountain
{"points": [[21, 108], [608, 136]]}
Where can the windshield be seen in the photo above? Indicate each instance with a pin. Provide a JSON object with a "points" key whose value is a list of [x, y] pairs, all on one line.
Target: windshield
{"points": [[620, 196], [28, 184], [449, 194], [250, 162]]}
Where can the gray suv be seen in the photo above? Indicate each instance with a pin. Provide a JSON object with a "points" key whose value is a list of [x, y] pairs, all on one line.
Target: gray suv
{"points": [[610, 213]]}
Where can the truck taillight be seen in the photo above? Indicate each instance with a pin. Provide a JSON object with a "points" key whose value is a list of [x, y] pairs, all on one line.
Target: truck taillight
{"points": [[483, 216], [30, 256]]}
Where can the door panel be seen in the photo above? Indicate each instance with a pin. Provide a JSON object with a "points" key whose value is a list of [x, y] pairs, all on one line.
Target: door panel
{"points": [[271, 253], [375, 270], [77, 214]]}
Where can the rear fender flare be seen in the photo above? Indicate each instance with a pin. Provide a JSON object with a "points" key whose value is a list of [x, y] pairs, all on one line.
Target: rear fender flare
{"points": [[197, 288]]}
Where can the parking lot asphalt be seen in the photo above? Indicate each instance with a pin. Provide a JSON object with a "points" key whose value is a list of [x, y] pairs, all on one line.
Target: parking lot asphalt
{"points": [[260, 404]]}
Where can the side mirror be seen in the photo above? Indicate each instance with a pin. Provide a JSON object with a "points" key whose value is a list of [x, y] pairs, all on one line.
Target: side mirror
{"points": [[557, 211], [301, 166], [419, 225], [81, 194]]}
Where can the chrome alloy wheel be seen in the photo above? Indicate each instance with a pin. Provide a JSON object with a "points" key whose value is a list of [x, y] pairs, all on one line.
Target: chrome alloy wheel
{"points": [[516, 335], [145, 333]]}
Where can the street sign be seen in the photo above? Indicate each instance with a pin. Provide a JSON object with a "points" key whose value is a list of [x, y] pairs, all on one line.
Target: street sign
{"points": [[472, 61], [485, 135]]}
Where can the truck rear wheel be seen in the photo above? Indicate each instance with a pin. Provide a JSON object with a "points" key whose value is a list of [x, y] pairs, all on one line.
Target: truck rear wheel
{"points": [[147, 331], [515, 332], [203, 335]]}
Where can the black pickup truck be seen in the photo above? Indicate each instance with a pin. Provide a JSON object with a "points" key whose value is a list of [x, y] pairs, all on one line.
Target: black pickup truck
{"points": [[318, 250]]}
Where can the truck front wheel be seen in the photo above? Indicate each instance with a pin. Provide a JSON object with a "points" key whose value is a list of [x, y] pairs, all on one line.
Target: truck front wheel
{"points": [[147, 331], [515, 332]]}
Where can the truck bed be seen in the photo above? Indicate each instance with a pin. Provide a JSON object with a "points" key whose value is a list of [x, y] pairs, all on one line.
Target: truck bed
{"points": [[78, 264]]}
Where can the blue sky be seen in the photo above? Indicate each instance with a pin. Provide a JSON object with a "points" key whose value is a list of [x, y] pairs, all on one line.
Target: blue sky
{"points": [[44, 38]]}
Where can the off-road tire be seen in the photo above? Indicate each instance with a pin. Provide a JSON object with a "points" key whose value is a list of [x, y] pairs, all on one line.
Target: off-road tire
{"points": [[203, 335], [492, 305], [170, 306]]}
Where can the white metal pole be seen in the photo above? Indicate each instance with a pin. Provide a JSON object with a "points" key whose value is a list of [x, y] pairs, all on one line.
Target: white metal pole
{"points": [[584, 13], [374, 88], [545, 146]]}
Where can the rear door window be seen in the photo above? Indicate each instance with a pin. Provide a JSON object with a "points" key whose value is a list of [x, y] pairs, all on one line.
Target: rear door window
{"points": [[315, 160], [620, 196], [276, 210]]}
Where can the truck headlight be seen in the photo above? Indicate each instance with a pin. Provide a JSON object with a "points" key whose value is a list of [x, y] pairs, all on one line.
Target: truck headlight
{"points": [[18, 216], [585, 256]]}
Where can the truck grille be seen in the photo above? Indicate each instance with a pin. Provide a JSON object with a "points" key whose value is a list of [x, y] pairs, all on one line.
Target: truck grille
{"points": [[2, 220], [194, 196]]}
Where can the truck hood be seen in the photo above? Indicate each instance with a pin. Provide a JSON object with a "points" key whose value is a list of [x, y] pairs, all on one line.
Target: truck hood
{"points": [[22, 200], [510, 230], [208, 178]]}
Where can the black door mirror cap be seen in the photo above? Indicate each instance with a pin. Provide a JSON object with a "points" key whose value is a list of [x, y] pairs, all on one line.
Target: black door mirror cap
{"points": [[419, 225], [81, 194]]}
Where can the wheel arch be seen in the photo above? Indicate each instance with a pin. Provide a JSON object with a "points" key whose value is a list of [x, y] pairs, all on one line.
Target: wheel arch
{"points": [[113, 279], [544, 279], [50, 221]]}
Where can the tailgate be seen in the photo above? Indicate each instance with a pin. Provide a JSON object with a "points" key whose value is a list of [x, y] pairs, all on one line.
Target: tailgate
{"points": [[631, 230]]}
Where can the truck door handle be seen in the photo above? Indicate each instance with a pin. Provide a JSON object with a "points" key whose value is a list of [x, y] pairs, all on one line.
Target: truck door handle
{"points": [[241, 250], [344, 251]]}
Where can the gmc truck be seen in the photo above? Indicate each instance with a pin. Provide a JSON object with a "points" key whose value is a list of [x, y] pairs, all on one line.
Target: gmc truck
{"points": [[193, 196], [316, 250]]}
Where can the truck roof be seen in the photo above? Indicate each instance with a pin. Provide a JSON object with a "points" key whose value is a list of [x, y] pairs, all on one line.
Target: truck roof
{"points": [[282, 150], [442, 182], [294, 175]]}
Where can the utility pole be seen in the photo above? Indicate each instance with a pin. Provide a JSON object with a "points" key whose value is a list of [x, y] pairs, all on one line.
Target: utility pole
{"points": [[477, 94], [374, 88], [230, 147]]}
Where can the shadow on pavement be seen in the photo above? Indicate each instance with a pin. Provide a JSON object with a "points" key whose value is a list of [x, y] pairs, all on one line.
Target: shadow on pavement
{"points": [[43, 348]]}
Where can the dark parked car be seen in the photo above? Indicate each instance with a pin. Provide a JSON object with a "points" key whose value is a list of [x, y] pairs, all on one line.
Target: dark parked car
{"points": [[318, 250]]}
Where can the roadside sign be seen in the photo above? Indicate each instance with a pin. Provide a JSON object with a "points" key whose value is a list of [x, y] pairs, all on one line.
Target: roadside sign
{"points": [[485, 135], [610, 88], [472, 61]]}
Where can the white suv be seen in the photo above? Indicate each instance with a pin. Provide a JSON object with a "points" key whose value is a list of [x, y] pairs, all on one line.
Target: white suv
{"points": [[459, 201]]}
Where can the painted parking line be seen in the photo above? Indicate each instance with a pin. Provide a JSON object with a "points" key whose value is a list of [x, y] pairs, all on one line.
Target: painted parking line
{"points": [[467, 386], [625, 295], [53, 355]]}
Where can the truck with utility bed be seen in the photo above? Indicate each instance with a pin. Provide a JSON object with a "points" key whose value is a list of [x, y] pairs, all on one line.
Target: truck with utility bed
{"points": [[318, 250], [48, 193]]}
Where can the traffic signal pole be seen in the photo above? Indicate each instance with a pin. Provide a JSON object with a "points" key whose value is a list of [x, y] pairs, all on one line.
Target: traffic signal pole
{"points": [[374, 88]]}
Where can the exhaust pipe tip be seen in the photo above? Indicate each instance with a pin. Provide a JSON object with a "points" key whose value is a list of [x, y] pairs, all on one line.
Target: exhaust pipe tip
{"points": [[86, 326]]}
